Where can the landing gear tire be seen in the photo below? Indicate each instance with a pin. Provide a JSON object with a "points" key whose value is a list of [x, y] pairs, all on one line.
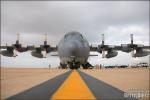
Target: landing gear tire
{"points": [[84, 67], [87, 66], [63, 66], [74, 65]]}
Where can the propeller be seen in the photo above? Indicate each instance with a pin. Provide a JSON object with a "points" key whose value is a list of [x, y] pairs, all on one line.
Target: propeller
{"points": [[133, 52], [16, 46], [41, 52], [103, 39], [106, 48], [131, 35], [103, 54], [102, 48], [129, 47], [12, 51], [45, 47], [15, 53], [44, 51], [133, 46]]}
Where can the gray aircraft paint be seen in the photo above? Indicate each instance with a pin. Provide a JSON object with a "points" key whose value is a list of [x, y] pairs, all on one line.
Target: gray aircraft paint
{"points": [[141, 53], [73, 44]]}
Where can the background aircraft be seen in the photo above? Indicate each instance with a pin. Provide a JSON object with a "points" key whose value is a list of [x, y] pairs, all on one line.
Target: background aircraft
{"points": [[74, 50]]}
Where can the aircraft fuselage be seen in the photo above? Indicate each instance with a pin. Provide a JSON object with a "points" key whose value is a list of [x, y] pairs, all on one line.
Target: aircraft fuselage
{"points": [[73, 47]]}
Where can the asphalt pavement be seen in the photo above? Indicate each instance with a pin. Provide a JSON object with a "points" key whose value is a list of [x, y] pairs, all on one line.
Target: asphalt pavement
{"points": [[67, 84], [42, 91], [102, 90]]}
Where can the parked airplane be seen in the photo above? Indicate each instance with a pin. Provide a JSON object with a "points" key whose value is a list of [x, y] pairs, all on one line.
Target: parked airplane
{"points": [[74, 50]]}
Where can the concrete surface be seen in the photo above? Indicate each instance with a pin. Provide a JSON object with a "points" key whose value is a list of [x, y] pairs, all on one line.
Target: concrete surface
{"points": [[16, 80]]}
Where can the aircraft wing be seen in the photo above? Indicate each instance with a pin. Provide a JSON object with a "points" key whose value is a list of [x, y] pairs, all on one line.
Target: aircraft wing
{"points": [[93, 48], [109, 51], [40, 52], [3, 47], [11, 51], [145, 47]]}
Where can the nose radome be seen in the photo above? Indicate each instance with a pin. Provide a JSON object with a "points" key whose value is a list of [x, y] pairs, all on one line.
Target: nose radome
{"points": [[73, 48]]}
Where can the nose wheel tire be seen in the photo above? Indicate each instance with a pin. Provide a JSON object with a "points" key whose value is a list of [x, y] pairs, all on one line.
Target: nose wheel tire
{"points": [[63, 66], [74, 65]]}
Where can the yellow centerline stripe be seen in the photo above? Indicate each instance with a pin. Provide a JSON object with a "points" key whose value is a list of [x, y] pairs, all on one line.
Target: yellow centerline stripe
{"points": [[73, 88]]}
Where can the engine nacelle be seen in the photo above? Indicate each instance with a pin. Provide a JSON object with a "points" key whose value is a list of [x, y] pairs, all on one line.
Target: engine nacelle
{"points": [[141, 53], [111, 54], [7, 53], [10, 52], [19, 48], [37, 54], [126, 49]]}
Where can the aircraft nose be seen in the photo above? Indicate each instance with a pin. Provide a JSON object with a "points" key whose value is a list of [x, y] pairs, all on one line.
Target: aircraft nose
{"points": [[73, 48]]}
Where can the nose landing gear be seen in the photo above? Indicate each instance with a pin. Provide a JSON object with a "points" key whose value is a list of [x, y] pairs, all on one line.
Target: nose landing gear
{"points": [[74, 65]]}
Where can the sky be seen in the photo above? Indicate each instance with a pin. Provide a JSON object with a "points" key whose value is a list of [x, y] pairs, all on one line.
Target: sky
{"points": [[115, 19]]}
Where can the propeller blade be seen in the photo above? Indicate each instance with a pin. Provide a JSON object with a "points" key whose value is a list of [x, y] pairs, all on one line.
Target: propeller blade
{"points": [[103, 54], [131, 38], [18, 37], [44, 53], [133, 52], [15, 53], [103, 39], [45, 40]]}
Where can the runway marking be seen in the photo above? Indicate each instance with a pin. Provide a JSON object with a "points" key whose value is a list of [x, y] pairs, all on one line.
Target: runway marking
{"points": [[42, 91], [73, 88], [102, 90]]}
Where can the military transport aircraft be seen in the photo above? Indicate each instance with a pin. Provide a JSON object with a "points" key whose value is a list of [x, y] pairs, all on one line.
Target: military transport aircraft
{"points": [[74, 50]]}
